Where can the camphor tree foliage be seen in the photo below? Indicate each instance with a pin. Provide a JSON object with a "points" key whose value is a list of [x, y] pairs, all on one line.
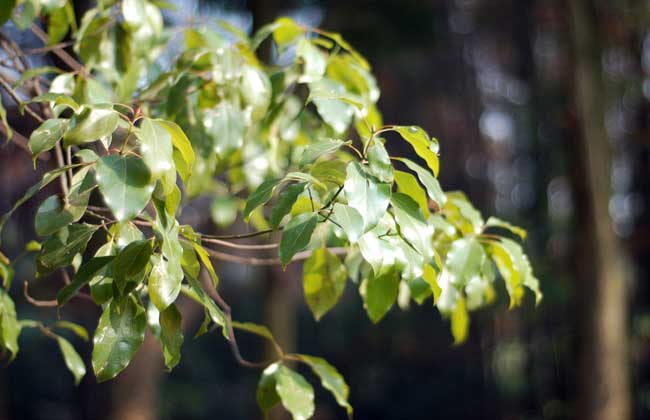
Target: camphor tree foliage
{"points": [[295, 147]]}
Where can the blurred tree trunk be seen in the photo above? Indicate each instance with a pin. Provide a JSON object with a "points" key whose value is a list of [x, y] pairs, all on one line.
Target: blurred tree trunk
{"points": [[603, 371]]}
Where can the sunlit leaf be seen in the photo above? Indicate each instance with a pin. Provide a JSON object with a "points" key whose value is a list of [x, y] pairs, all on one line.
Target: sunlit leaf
{"points": [[73, 361], [324, 278], [118, 337], [125, 183]]}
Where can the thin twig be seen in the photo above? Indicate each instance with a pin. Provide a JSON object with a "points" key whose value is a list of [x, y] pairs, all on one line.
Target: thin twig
{"points": [[21, 141], [37, 302], [234, 347], [266, 261], [18, 101], [251, 247], [60, 52]]}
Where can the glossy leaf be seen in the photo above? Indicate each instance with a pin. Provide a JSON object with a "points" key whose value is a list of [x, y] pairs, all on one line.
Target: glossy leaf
{"points": [[130, 262], [226, 125], [494, 222], [285, 202], [322, 147], [267, 397], [47, 135], [171, 335], [407, 184], [296, 394], [331, 380], [155, 147], [460, 322], [90, 124], [31, 191], [118, 336], [423, 146], [366, 195], [259, 197], [350, 221], [380, 294], [296, 236], [59, 249], [125, 183], [9, 326], [164, 287], [6, 271], [379, 164], [464, 260], [73, 361], [324, 278], [85, 273], [183, 153], [412, 224]]}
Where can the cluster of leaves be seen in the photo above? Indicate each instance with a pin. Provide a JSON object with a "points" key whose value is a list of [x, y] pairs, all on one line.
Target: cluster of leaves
{"points": [[295, 147]]}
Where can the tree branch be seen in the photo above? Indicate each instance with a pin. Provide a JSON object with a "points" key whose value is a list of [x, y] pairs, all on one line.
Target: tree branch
{"points": [[234, 347]]}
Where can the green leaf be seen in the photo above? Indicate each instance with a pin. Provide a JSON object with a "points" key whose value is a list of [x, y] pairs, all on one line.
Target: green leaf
{"points": [[324, 278], [465, 259], [434, 191], [6, 11], [125, 183], [296, 235], [164, 287], [183, 153], [412, 224], [171, 335], [72, 359], [431, 277], [407, 184], [255, 90], [515, 269], [296, 394], [57, 26], [47, 135], [460, 322], [226, 125], [424, 147], [287, 199], [379, 164], [53, 214], [331, 380], [133, 12], [380, 294], [86, 272], [9, 326], [45, 180], [224, 211], [333, 103], [6, 271], [494, 222], [314, 61], [285, 31], [130, 262], [213, 311], [155, 147], [59, 249], [350, 221], [118, 336], [266, 395], [366, 195], [462, 214], [3, 111], [322, 147], [77, 329], [259, 197], [90, 124]]}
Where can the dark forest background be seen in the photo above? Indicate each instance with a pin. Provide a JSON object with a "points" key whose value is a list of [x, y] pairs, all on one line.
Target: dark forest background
{"points": [[542, 109]]}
